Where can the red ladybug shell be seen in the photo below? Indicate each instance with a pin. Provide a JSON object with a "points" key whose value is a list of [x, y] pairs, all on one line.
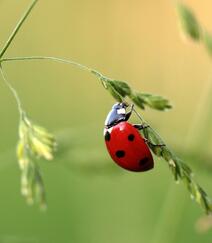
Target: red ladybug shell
{"points": [[127, 147]]}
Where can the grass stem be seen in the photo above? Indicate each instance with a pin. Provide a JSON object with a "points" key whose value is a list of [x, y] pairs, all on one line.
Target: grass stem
{"points": [[17, 27], [14, 92]]}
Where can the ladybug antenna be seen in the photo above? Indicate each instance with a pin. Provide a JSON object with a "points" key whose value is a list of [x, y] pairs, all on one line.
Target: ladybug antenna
{"points": [[125, 103]]}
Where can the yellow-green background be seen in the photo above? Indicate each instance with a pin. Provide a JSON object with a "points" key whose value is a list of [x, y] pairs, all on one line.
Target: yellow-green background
{"points": [[90, 199]]}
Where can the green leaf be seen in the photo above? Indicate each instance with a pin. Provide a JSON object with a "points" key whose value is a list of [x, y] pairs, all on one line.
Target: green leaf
{"points": [[121, 87], [112, 91], [137, 99], [153, 139], [189, 23], [180, 170], [153, 101], [118, 89]]}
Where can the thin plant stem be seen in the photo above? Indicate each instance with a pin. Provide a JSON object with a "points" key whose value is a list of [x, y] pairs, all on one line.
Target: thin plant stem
{"points": [[14, 92], [17, 27], [138, 115], [56, 59], [62, 60]]}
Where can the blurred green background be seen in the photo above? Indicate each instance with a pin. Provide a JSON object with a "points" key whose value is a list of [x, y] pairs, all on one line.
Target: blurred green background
{"points": [[90, 199]]}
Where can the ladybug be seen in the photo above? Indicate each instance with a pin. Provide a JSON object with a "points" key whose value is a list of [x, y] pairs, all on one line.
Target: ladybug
{"points": [[124, 143]]}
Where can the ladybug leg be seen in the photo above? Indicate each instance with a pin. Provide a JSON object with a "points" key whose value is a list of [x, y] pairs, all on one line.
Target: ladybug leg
{"points": [[128, 114], [152, 144], [140, 126]]}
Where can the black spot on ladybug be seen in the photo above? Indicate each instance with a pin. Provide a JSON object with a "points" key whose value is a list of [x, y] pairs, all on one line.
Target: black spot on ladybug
{"points": [[107, 136], [120, 153], [143, 161], [131, 137]]}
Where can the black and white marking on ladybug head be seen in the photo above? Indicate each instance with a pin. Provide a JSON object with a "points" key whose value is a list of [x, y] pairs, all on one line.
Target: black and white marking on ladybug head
{"points": [[116, 115], [118, 106]]}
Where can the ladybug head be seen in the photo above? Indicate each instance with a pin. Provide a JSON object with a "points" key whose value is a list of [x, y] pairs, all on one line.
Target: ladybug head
{"points": [[116, 115]]}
